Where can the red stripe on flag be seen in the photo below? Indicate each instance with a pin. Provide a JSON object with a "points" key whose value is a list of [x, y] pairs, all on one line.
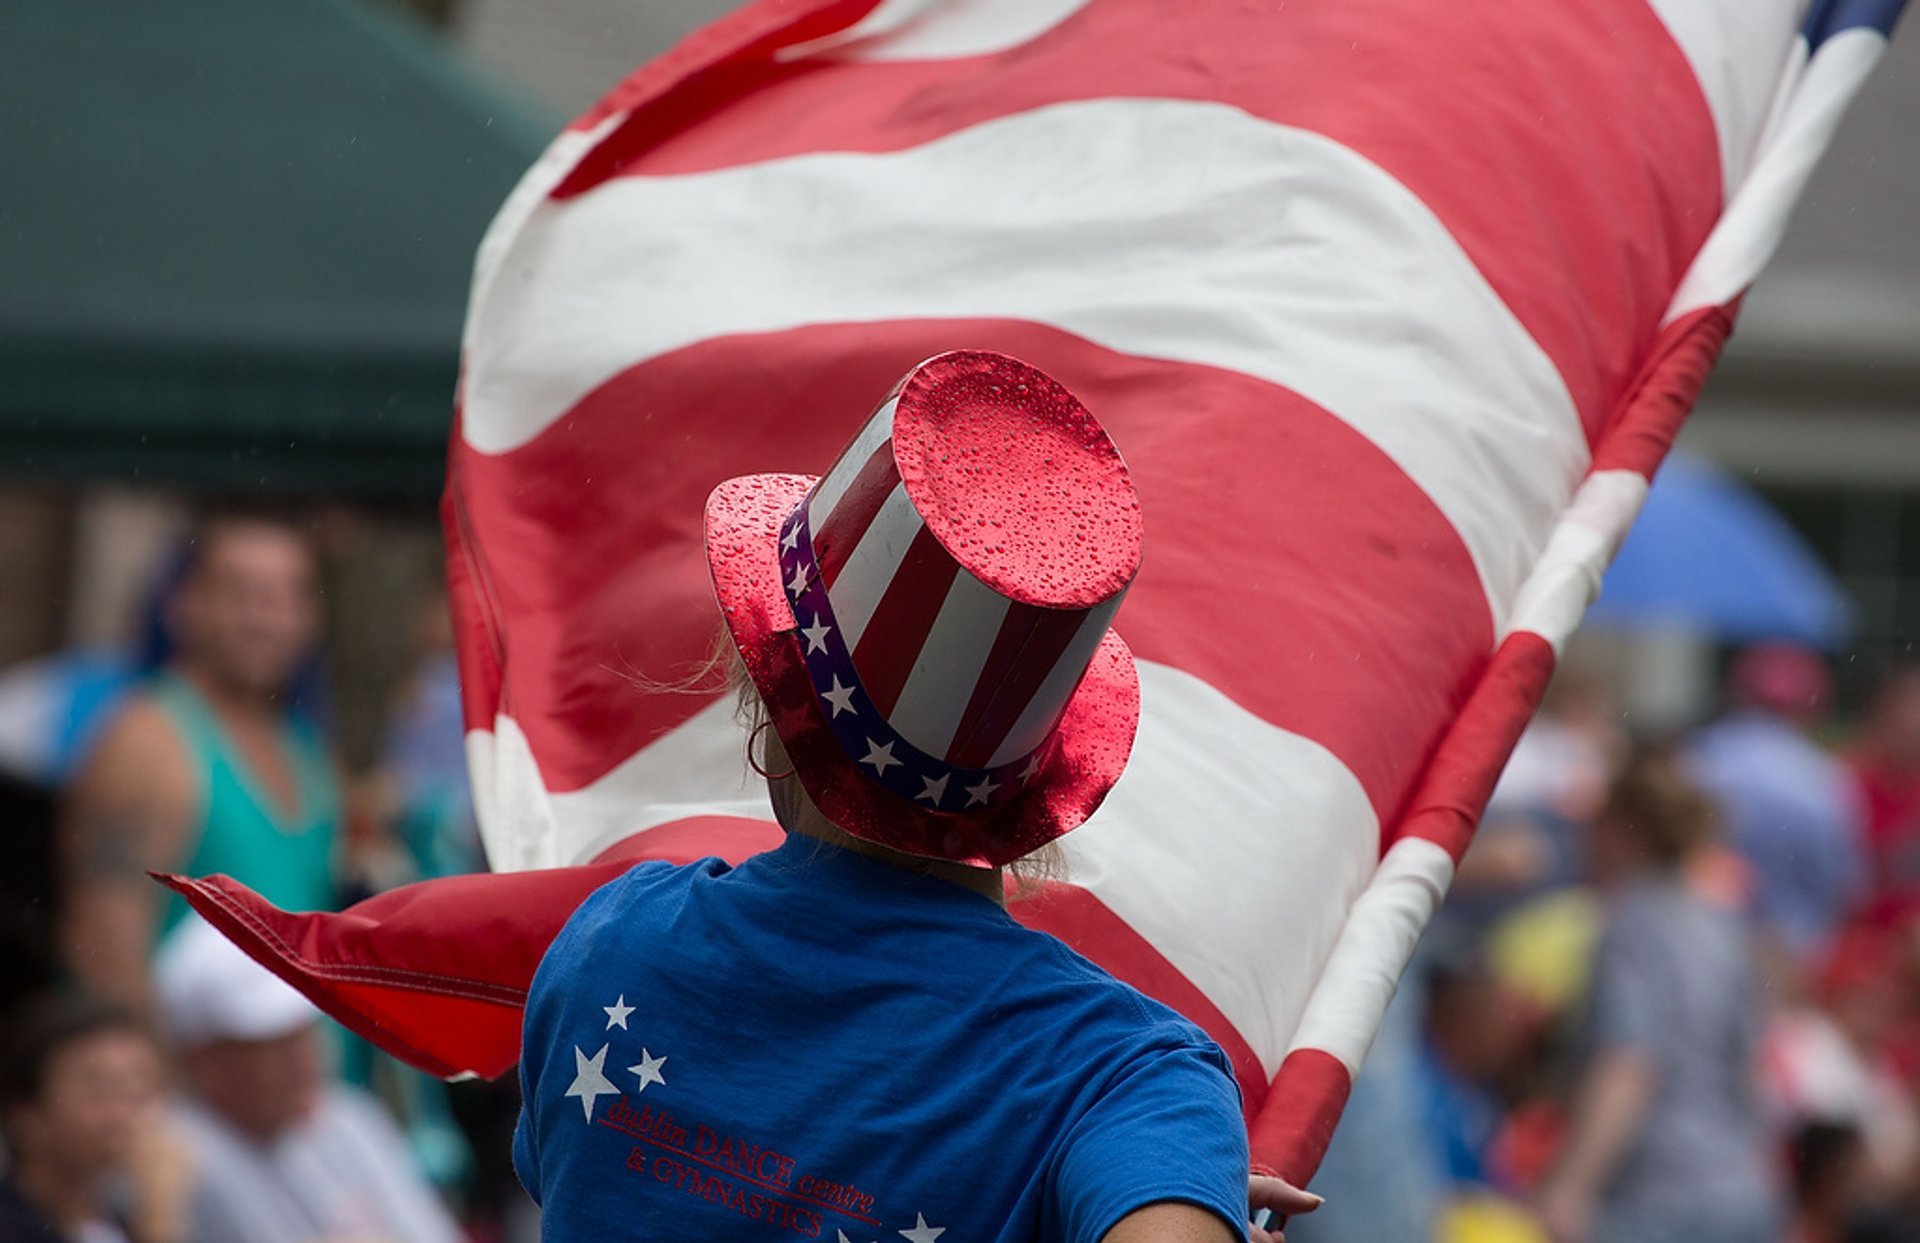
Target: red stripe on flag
{"points": [[1086, 924], [1266, 516], [842, 530], [703, 58], [389, 969], [1025, 651], [1583, 218], [902, 620], [436, 972]]}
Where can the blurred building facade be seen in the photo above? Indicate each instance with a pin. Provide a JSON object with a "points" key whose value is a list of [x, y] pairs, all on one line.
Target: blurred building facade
{"points": [[1817, 401]]}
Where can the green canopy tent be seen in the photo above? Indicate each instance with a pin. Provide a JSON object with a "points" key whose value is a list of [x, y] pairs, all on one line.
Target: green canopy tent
{"points": [[235, 240]]}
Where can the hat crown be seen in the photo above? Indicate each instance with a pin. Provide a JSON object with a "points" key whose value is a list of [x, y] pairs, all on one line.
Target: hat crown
{"points": [[970, 548], [1016, 479]]}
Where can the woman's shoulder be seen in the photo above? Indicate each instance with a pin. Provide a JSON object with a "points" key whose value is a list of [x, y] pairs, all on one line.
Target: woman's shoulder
{"points": [[1147, 1027], [1133, 1060], [631, 906]]}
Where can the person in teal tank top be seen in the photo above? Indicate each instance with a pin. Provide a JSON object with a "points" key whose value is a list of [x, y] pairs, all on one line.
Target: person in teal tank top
{"points": [[208, 769], [286, 853]]}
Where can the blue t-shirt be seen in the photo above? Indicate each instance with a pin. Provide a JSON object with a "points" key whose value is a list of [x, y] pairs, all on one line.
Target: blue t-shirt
{"points": [[820, 1045]]}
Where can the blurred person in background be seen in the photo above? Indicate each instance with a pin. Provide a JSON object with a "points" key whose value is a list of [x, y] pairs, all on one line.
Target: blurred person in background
{"points": [[1789, 809], [1827, 1161], [281, 1154], [419, 802], [1844, 1070], [1567, 757], [1665, 1136], [88, 1160], [1482, 1069], [1832, 1196], [206, 770], [1476, 1038], [1885, 758], [421, 788]]}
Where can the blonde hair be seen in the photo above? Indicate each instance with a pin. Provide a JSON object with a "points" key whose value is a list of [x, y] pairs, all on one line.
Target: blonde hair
{"points": [[1032, 871]]}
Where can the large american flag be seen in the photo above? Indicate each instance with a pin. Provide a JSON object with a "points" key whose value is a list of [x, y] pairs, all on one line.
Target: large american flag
{"points": [[1392, 306]]}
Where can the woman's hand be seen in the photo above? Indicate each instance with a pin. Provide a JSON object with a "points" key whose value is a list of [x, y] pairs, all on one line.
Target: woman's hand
{"points": [[1174, 1222], [1279, 1198]]}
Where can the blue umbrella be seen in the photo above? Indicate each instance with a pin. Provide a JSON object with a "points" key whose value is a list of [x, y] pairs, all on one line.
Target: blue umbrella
{"points": [[1710, 556]]}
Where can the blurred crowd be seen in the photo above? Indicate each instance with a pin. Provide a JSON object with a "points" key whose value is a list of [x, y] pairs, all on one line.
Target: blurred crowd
{"points": [[1674, 994], [156, 1085]]}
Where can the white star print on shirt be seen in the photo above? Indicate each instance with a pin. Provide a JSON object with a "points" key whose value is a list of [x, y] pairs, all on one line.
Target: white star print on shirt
{"points": [[922, 1232], [617, 1013], [648, 1068], [880, 757], [841, 697], [791, 540], [589, 1079], [799, 583], [816, 635], [1033, 766]]}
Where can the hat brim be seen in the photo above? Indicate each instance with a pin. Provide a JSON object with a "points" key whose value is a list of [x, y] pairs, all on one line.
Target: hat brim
{"points": [[1078, 766]]}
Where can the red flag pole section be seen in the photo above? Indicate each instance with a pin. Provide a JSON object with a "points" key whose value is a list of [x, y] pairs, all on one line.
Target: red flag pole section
{"points": [[1302, 1109]]}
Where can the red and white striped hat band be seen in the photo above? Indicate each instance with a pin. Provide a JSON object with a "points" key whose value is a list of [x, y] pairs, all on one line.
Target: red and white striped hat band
{"points": [[953, 573]]}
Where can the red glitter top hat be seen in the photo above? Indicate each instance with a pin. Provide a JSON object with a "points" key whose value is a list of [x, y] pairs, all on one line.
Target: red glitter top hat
{"points": [[928, 622]]}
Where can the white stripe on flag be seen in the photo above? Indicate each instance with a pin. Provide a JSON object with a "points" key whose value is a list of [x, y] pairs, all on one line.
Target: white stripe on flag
{"points": [[872, 563], [1753, 223], [1251, 839], [1364, 969], [696, 769], [1736, 49], [948, 668], [1567, 577], [1256, 247], [937, 30], [503, 236]]}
